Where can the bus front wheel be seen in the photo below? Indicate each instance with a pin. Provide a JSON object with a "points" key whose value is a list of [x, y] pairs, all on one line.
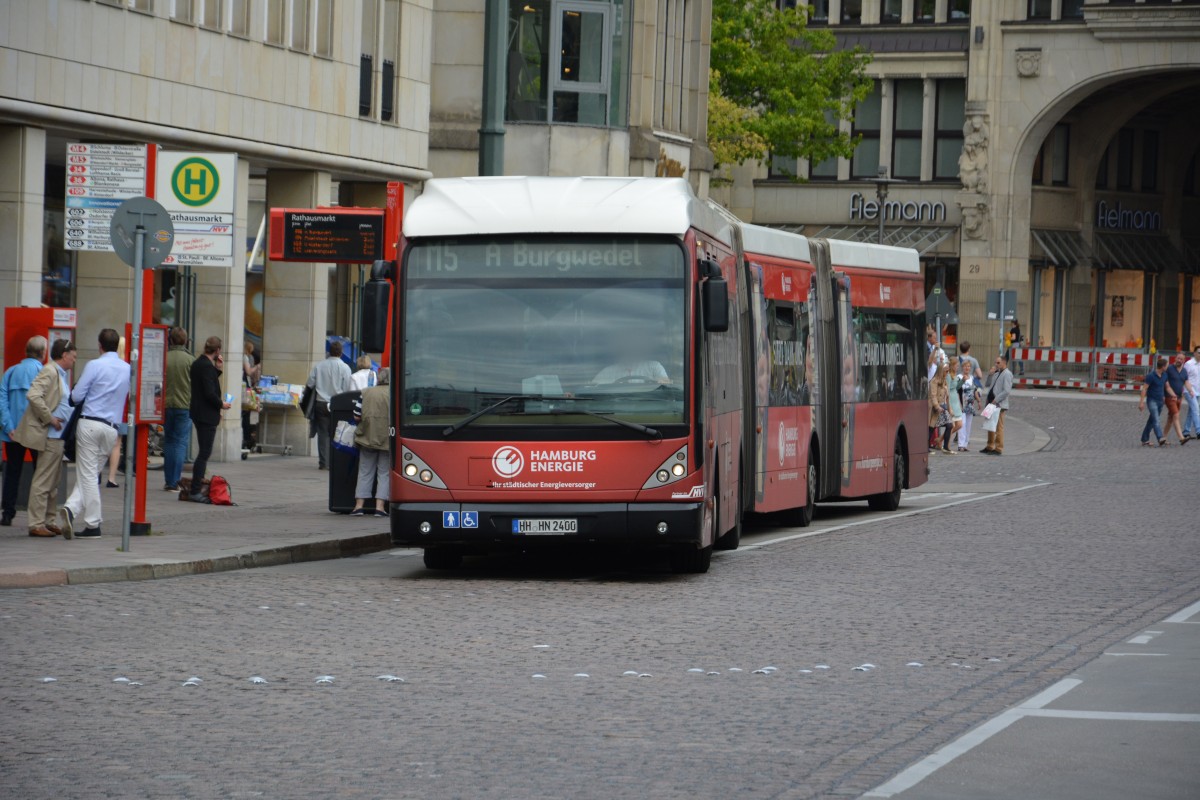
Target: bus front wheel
{"points": [[688, 560], [442, 558], [802, 517]]}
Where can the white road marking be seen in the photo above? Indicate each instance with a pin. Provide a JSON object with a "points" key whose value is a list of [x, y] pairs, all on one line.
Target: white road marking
{"points": [[1125, 716], [1144, 638], [1135, 654], [871, 520], [1183, 615], [921, 770]]}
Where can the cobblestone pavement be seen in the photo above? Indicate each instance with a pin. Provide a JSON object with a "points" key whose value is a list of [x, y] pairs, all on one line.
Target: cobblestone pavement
{"points": [[996, 600]]}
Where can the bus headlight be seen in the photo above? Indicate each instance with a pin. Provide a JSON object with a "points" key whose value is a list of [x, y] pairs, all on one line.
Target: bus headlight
{"points": [[418, 471], [669, 471], [424, 527]]}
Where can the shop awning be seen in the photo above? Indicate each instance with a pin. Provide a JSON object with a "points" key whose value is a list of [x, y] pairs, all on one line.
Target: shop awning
{"points": [[919, 237], [1137, 251], [1064, 248]]}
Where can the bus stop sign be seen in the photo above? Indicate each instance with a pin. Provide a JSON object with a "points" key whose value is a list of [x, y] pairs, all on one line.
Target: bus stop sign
{"points": [[938, 305]]}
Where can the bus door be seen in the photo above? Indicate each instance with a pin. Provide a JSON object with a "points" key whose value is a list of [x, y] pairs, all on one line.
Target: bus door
{"points": [[827, 383], [848, 383]]}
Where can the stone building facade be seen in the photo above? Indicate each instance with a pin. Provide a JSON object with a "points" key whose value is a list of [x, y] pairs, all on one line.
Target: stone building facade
{"points": [[1043, 146], [323, 102]]}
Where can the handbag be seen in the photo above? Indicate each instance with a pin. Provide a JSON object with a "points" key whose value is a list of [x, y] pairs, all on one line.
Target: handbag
{"points": [[68, 436], [343, 437], [944, 418], [308, 402]]}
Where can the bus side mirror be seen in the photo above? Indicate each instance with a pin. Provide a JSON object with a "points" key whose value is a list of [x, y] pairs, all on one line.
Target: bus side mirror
{"points": [[714, 304], [376, 299]]}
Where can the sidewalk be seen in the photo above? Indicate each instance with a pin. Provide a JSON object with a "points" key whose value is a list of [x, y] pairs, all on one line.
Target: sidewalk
{"points": [[282, 517]]}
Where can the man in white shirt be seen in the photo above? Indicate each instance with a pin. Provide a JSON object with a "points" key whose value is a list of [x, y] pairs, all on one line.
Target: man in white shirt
{"points": [[102, 389], [1191, 394], [328, 377]]}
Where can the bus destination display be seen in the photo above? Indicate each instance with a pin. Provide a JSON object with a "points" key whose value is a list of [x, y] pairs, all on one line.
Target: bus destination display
{"points": [[352, 236]]}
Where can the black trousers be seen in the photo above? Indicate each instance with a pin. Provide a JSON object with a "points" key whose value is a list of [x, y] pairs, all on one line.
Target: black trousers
{"points": [[205, 435], [14, 461]]}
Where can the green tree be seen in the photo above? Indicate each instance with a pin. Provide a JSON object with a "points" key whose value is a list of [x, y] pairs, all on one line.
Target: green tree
{"points": [[777, 86]]}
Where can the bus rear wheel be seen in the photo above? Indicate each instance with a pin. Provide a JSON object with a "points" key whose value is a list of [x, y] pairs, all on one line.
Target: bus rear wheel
{"points": [[688, 560], [890, 501], [442, 558], [802, 517]]}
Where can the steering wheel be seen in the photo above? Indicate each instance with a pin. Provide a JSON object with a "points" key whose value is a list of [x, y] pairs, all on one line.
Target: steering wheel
{"points": [[632, 379]]}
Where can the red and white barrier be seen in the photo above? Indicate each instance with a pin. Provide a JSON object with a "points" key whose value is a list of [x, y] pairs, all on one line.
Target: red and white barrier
{"points": [[1109, 371]]}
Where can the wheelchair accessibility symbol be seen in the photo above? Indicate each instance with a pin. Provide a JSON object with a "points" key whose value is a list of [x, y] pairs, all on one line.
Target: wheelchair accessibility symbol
{"points": [[470, 519]]}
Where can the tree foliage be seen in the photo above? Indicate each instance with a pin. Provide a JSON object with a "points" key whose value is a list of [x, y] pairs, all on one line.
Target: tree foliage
{"points": [[778, 86]]}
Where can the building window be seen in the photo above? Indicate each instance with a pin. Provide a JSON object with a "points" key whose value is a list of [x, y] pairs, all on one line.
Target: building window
{"points": [[1125, 159], [1060, 154], [1102, 170], [948, 137], [324, 28], [1039, 166], [867, 120], [891, 11], [959, 10], [298, 40], [1149, 161], [1072, 9], [851, 12], [820, 11], [209, 13], [924, 10], [782, 167], [566, 62], [181, 11], [1039, 9], [239, 17], [276, 22], [909, 99], [366, 61], [391, 57]]}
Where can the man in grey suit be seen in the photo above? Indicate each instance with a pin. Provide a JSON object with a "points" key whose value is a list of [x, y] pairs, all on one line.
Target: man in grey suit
{"points": [[998, 387], [41, 429]]}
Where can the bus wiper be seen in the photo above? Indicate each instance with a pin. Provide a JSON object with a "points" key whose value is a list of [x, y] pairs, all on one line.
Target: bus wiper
{"points": [[653, 433], [467, 420]]}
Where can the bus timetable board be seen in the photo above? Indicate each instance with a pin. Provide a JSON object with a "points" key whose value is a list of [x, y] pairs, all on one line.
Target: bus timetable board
{"points": [[333, 235]]}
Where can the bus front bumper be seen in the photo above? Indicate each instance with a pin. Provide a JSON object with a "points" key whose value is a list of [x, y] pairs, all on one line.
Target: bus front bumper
{"points": [[500, 525]]}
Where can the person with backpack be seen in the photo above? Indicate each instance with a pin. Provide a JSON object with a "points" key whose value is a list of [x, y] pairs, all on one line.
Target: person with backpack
{"points": [[206, 408], [372, 436]]}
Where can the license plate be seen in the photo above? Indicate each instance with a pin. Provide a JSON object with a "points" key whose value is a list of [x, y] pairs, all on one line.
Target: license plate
{"points": [[545, 527]]}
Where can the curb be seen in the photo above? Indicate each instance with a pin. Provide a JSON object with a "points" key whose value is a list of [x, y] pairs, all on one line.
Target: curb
{"points": [[271, 557]]}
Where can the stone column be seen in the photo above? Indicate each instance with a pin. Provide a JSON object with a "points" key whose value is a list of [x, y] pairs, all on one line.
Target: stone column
{"points": [[22, 198], [221, 311], [294, 300]]}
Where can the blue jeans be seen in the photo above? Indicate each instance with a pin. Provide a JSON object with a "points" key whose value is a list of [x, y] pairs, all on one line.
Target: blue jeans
{"points": [[1156, 409], [177, 431], [1192, 426]]}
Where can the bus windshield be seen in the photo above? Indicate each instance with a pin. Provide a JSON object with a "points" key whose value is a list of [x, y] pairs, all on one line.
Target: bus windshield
{"points": [[548, 330]]}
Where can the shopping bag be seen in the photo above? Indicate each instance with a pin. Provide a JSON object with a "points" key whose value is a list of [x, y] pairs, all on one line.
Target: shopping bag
{"points": [[343, 437], [989, 411], [990, 423]]}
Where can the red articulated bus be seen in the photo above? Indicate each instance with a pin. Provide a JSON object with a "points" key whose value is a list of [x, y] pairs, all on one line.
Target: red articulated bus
{"points": [[614, 361]]}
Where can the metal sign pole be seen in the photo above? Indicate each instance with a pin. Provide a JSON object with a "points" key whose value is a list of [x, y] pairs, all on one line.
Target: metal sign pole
{"points": [[1002, 291], [139, 258]]}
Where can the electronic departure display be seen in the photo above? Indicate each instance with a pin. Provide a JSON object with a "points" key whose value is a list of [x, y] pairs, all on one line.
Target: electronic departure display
{"points": [[334, 235]]}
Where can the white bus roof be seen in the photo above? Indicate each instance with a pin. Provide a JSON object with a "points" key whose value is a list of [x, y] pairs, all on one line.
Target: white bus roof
{"points": [[516, 205], [774, 242]]}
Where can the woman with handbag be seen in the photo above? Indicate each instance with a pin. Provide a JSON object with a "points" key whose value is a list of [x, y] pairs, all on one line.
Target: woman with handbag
{"points": [[970, 405], [939, 406], [954, 397]]}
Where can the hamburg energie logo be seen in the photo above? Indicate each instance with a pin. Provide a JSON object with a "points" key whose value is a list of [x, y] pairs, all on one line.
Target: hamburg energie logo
{"points": [[508, 461], [195, 181]]}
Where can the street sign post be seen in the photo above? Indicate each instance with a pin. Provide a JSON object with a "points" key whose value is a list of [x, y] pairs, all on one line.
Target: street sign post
{"points": [[1002, 306], [142, 235], [938, 306]]}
